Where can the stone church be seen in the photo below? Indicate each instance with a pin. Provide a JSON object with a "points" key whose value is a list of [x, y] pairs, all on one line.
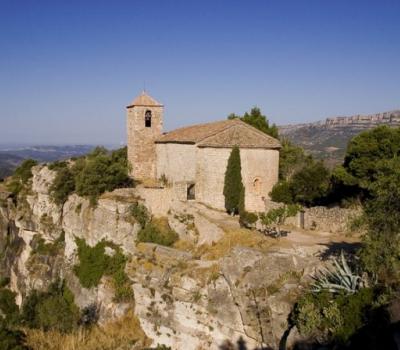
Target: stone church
{"points": [[193, 159]]}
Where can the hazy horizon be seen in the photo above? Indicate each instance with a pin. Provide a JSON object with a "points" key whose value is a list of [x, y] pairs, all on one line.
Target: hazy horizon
{"points": [[68, 69]]}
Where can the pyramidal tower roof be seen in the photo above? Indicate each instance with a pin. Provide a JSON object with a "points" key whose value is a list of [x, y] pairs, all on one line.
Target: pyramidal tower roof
{"points": [[144, 99]]}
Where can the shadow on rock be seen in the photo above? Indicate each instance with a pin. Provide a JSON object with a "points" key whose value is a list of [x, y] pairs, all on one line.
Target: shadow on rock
{"points": [[335, 248], [240, 345]]}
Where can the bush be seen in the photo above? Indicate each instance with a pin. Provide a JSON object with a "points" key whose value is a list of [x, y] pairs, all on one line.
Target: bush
{"points": [[101, 173], [277, 216], [8, 307], [41, 247], [159, 233], [90, 176], [233, 185], [366, 151], [329, 317], [291, 160], [140, 213], [310, 184], [54, 309], [58, 165], [63, 185], [247, 219], [94, 263], [11, 339], [282, 193], [21, 176]]}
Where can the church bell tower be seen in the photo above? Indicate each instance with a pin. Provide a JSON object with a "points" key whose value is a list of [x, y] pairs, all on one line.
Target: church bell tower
{"points": [[144, 126]]}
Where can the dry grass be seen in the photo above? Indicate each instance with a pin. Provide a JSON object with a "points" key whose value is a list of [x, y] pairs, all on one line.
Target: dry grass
{"points": [[126, 195], [184, 245], [122, 334], [205, 275], [234, 238]]}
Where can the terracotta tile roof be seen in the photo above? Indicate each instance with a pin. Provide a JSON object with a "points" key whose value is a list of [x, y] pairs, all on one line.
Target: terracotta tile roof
{"points": [[145, 100], [226, 133]]}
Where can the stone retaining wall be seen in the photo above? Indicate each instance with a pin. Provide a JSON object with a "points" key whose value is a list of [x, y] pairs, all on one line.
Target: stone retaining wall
{"points": [[320, 218], [333, 220]]}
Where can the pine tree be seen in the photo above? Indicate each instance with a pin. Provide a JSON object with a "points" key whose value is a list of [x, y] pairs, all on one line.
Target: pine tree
{"points": [[233, 186]]}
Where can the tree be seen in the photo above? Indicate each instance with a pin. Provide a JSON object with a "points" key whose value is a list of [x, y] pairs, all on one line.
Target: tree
{"points": [[292, 158], [233, 185], [380, 254], [310, 184], [367, 152], [282, 193], [256, 119]]}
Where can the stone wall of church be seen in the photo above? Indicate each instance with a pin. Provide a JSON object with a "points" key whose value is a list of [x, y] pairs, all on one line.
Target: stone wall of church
{"points": [[259, 172], [210, 175], [176, 161]]}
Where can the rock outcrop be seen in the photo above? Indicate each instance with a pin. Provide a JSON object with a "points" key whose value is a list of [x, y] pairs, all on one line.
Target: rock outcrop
{"points": [[182, 298]]}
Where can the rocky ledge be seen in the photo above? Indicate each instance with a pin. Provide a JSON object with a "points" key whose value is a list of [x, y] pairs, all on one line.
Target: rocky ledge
{"points": [[217, 283]]}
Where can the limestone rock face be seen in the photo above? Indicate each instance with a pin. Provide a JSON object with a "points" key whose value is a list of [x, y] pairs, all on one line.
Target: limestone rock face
{"points": [[109, 220], [182, 299], [187, 303]]}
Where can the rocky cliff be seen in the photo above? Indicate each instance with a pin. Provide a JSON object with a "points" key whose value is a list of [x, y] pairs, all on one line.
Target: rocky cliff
{"points": [[328, 139], [217, 283]]}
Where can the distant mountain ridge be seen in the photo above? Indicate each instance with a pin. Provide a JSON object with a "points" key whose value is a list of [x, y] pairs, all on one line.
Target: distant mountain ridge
{"points": [[327, 139], [12, 156]]}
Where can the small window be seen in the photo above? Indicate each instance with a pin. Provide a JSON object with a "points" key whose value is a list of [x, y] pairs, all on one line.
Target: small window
{"points": [[147, 119], [257, 185], [191, 195]]}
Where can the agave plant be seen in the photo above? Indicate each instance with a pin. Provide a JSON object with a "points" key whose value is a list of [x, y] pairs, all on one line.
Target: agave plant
{"points": [[338, 278]]}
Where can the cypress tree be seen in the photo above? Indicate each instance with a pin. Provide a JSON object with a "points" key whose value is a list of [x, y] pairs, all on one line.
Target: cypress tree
{"points": [[233, 186]]}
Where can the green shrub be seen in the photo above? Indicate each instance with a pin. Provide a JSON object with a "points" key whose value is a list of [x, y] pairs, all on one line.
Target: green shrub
{"points": [[21, 176], [310, 184], [247, 219], [58, 165], [54, 309], [282, 193], [101, 173], [94, 263], [11, 339], [8, 307], [366, 152], [292, 158], [24, 171], [90, 176], [233, 185], [278, 216], [140, 213], [41, 247], [154, 232], [63, 185], [333, 317]]}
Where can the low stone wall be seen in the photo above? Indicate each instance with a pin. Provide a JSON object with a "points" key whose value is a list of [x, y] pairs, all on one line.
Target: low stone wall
{"points": [[333, 220]]}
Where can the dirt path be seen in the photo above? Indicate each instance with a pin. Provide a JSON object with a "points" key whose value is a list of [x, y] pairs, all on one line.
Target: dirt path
{"points": [[317, 243]]}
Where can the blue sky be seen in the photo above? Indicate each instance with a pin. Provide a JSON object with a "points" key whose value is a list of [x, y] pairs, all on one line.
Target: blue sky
{"points": [[69, 68]]}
